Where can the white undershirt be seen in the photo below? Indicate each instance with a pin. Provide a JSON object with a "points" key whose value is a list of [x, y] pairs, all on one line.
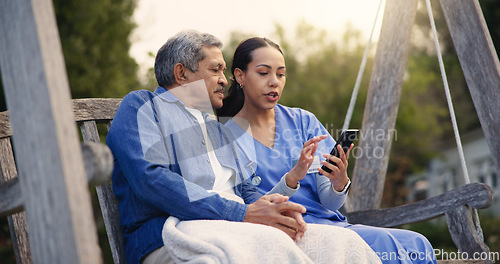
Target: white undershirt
{"points": [[224, 176]]}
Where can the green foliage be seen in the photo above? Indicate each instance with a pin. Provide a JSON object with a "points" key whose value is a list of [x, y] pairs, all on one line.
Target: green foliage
{"points": [[418, 124], [149, 81], [95, 40], [235, 38], [321, 74]]}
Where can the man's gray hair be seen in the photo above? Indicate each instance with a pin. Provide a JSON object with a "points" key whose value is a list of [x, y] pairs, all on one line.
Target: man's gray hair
{"points": [[184, 48]]}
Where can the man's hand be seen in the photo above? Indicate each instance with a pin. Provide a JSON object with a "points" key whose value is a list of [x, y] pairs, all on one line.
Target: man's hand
{"points": [[275, 210]]}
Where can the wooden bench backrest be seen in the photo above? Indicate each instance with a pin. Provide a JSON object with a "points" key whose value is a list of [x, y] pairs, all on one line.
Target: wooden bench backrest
{"points": [[88, 113]]}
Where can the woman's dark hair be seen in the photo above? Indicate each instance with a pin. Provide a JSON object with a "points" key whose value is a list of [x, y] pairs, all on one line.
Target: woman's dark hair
{"points": [[242, 57]]}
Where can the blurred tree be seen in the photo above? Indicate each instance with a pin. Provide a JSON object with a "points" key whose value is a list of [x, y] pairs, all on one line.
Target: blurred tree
{"points": [[419, 126], [235, 37], [149, 80], [95, 40], [321, 73]]}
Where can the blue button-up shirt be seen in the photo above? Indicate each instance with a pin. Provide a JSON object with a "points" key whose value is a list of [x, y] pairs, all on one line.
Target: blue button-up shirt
{"points": [[162, 168]]}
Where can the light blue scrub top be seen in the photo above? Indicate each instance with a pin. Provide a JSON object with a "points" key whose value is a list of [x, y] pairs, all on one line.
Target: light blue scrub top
{"points": [[294, 127]]}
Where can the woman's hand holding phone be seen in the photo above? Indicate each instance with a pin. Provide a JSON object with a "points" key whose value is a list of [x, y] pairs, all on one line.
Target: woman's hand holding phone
{"points": [[335, 166], [338, 171]]}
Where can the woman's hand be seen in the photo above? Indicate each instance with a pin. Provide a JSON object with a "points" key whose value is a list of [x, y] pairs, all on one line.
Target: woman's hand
{"points": [[338, 176], [299, 171]]}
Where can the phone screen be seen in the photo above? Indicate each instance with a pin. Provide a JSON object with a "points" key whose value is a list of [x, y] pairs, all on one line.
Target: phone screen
{"points": [[345, 141]]}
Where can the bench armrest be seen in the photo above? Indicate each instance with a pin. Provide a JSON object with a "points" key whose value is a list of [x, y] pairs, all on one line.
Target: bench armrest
{"points": [[475, 195]]}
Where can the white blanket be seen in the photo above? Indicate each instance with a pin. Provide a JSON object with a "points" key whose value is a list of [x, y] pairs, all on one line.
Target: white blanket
{"points": [[217, 241]]}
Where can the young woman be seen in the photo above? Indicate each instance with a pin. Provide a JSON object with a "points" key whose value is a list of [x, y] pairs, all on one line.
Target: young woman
{"points": [[272, 136]]}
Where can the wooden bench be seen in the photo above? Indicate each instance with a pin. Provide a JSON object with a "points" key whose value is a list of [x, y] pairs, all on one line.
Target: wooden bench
{"points": [[90, 112]]}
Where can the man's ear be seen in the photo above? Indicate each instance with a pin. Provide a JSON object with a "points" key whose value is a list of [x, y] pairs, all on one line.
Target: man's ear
{"points": [[238, 76], [180, 74]]}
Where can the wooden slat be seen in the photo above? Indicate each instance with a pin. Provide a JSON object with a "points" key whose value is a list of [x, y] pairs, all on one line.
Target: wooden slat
{"points": [[98, 162], [20, 240], [480, 65], [476, 195], [382, 105], [107, 201], [5, 130], [464, 233], [96, 109], [11, 199], [89, 131], [17, 221], [109, 209], [7, 163]]}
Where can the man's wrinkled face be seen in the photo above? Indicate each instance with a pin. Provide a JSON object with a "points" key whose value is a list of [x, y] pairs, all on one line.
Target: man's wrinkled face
{"points": [[211, 69]]}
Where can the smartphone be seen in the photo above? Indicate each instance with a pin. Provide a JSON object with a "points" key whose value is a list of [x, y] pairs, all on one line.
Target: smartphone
{"points": [[345, 141]]}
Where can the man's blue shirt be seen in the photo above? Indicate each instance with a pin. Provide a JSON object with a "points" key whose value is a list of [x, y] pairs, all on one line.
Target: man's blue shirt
{"points": [[162, 168]]}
